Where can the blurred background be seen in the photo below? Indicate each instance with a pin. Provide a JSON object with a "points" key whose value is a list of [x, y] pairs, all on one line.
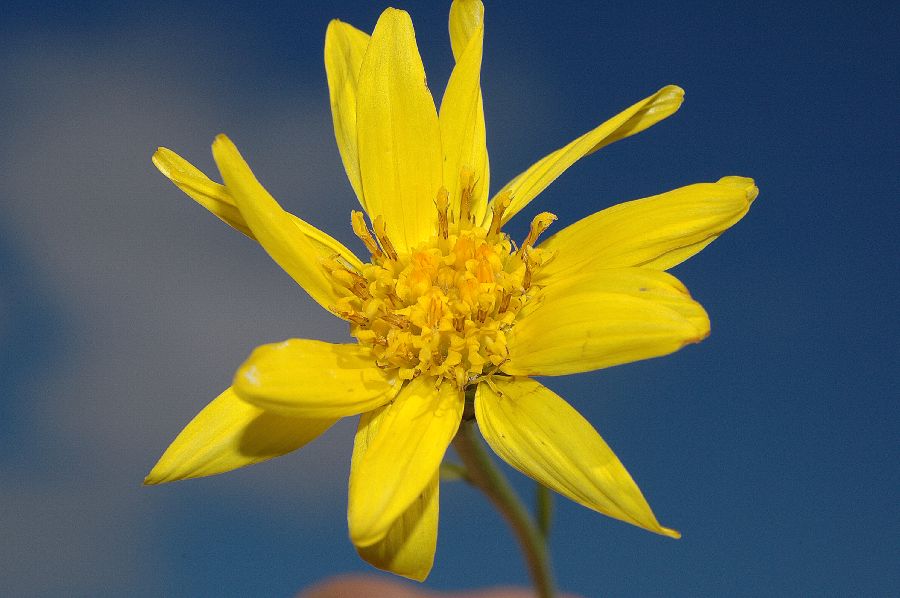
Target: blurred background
{"points": [[125, 307]]}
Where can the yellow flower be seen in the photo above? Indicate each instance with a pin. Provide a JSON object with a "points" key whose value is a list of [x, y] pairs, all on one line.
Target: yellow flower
{"points": [[447, 302]]}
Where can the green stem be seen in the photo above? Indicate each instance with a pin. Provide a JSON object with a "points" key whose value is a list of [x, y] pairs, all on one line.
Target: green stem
{"points": [[544, 509], [485, 475], [451, 472]]}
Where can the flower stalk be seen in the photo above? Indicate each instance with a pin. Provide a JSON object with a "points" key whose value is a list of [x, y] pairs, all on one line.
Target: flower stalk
{"points": [[544, 509], [487, 477]]}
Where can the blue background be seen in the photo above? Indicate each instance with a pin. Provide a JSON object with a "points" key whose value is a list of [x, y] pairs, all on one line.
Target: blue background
{"points": [[124, 307]]}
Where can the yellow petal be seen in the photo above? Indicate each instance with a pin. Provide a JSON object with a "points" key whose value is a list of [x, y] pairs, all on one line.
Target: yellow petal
{"points": [[345, 47], [541, 435], [229, 433], [408, 547], [462, 127], [655, 232], [307, 378], [274, 228], [403, 457], [196, 185], [398, 133], [217, 199], [603, 318], [527, 185], [466, 16]]}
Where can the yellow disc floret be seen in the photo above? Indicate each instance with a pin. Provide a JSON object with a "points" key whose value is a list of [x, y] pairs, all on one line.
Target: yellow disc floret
{"points": [[442, 309]]}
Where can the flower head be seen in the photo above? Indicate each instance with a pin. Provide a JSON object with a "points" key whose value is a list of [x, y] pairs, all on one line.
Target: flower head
{"points": [[447, 304]]}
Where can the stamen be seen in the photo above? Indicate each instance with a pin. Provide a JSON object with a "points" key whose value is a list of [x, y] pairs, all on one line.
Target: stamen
{"points": [[362, 231], [381, 234], [330, 264], [540, 223], [526, 257], [459, 323], [500, 204], [396, 320], [442, 201], [442, 309], [352, 281], [351, 316], [466, 188]]}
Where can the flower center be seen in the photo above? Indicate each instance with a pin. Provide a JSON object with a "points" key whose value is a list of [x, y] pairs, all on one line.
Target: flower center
{"points": [[442, 309]]}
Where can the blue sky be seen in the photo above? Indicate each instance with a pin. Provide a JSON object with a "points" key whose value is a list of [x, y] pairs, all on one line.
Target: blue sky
{"points": [[124, 308]]}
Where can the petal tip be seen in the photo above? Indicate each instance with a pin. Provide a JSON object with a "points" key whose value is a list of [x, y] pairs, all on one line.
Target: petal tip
{"points": [[155, 477], [747, 184], [703, 332], [670, 95], [160, 160], [396, 14], [671, 533], [222, 141]]}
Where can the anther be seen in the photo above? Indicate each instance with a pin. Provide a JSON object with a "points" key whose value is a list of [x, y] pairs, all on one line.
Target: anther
{"points": [[352, 316], [540, 223], [395, 320], [381, 234], [393, 297], [466, 189], [459, 323], [497, 209], [362, 231], [442, 202], [360, 286]]}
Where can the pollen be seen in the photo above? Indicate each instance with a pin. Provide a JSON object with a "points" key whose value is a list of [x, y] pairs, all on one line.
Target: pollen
{"points": [[444, 308]]}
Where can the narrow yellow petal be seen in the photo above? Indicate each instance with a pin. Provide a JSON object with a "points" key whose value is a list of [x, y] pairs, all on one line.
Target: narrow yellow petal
{"points": [[408, 547], [196, 185], [217, 199], [649, 111], [307, 378], [229, 433], [403, 457], [541, 435], [602, 318], [398, 133], [274, 228], [466, 16], [345, 47], [655, 232], [462, 128]]}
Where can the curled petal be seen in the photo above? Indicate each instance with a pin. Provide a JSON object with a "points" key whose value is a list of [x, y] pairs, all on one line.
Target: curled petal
{"points": [[217, 199], [196, 185], [292, 247], [462, 129], [463, 133], [466, 16], [541, 435]]}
